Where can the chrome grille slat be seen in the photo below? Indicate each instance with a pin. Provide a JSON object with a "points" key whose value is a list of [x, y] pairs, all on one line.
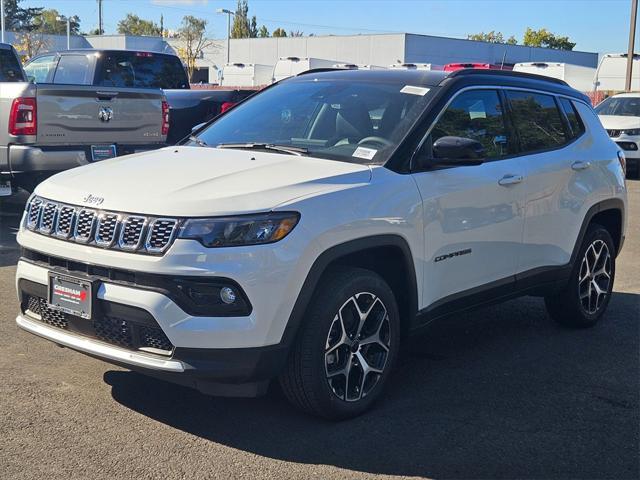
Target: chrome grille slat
{"points": [[106, 229], [99, 228], [64, 221], [84, 225], [161, 233], [131, 232], [47, 217], [33, 213]]}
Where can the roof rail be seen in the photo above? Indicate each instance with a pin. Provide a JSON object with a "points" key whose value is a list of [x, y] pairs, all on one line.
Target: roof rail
{"points": [[506, 73]]}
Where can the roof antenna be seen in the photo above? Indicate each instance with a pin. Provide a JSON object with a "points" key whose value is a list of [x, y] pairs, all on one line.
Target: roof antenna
{"points": [[504, 57]]}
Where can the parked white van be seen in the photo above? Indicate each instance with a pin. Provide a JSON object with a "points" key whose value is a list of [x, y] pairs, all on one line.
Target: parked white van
{"points": [[246, 75], [290, 66], [415, 66], [577, 76], [612, 70]]}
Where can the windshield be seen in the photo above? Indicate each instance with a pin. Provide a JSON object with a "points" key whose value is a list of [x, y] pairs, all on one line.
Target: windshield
{"points": [[352, 121], [624, 106], [9, 67]]}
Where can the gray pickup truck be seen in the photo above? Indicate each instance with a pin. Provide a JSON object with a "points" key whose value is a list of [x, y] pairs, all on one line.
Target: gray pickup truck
{"points": [[49, 127]]}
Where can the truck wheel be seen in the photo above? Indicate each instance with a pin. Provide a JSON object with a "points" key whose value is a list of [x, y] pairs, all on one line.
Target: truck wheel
{"points": [[586, 296], [346, 347]]}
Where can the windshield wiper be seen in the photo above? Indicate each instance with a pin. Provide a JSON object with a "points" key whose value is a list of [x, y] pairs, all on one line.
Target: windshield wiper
{"points": [[200, 143], [267, 146]]}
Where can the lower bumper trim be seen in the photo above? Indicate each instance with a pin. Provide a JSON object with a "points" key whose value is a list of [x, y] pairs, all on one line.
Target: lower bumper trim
{"points": [[101, 350]]}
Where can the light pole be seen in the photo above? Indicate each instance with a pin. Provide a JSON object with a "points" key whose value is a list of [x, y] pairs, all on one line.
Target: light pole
{"points": [[62, 18], [2, 20], [632, 38], [229, 13]]}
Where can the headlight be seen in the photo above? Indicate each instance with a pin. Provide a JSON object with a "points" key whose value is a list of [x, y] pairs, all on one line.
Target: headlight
{"points": [[241, 230], [634, 132]]}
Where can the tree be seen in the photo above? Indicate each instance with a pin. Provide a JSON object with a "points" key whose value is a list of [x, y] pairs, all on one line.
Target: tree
{"points": [[241, 27], [296, 33], [29, 43], [47, 22], [193, 41], [263, 32], [253, 29], [279, 32], [492, 37], [134, 25], [544, 38], [19, 19]]}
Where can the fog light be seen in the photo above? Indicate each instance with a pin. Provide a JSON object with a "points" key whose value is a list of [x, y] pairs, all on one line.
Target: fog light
{"points": [[227, 295]]}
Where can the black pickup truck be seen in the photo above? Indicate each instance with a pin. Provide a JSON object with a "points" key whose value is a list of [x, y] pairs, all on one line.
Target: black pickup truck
{"points": [[138, 69]]}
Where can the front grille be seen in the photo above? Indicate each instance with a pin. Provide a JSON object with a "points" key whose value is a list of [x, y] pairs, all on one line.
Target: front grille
{"points": [[132, 233], [108, 328], [614, 133]]}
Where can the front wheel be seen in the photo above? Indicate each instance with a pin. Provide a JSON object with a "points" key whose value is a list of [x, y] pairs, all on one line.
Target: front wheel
{"points": [[586, 296], [347, 346]]}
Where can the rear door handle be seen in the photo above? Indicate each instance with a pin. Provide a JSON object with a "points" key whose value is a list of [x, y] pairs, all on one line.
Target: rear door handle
{"points": [[510, 180], [580, 165]]}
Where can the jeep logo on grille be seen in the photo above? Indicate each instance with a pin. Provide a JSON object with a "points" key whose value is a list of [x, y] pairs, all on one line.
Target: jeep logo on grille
{"points": [[91, 200], [105, 114]]}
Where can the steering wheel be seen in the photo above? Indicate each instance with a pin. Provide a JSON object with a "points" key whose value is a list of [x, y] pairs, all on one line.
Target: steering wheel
{"points": [[379, 140]]}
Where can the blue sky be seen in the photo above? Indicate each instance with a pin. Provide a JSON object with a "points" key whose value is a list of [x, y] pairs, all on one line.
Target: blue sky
{"points": [[595, 25]]}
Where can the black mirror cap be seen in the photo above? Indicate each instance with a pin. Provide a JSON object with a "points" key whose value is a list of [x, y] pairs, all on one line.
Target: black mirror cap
{"points": [[452, 151]]}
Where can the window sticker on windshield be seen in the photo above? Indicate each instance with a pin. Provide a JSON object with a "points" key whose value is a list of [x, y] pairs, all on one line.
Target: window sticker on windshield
{"points": [[366, 153], [422, 91]]}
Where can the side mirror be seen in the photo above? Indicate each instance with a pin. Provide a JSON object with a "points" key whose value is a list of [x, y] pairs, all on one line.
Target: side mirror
{"points": [[457, 151]]}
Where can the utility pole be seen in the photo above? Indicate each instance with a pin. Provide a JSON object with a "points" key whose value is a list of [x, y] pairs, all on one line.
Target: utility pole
{"points": [[632, 41], [100, 31], [2, 20]]}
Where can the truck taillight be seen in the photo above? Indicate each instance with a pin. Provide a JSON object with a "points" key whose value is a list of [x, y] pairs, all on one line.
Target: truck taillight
{"points": [[165, 117], [226, 106], [23, 116]]}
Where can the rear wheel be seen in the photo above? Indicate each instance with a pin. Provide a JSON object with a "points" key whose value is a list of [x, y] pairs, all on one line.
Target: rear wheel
{"points": [[586, 297], [346, 348]]}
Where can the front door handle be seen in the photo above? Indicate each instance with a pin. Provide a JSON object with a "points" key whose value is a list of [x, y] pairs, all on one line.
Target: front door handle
{"points": [[510, 180], [580, 165]]}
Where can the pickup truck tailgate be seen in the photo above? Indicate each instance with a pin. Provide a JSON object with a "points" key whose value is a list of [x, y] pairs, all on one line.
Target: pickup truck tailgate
{"points": [[85, 115]]}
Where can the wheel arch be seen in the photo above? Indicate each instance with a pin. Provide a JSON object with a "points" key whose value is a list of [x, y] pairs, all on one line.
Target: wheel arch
{"points": [[608, 213], [376, 253]]}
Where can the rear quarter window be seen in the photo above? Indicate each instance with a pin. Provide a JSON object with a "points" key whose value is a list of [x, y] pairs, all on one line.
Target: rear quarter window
{"points": [[537, 120], [574, 120]]}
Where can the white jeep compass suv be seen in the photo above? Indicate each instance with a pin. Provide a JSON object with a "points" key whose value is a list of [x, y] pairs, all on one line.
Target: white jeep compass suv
{"points": [[303, 234]]}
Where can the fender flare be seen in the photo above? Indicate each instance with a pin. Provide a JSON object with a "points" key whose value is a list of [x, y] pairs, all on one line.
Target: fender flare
{"points": [[327, 257]]}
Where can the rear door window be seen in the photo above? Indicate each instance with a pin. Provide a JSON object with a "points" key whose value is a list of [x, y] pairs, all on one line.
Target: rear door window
{"points": [[142, 70], [10, 70], [537, 120], [575, 123], [73, 70], [39, 69]]}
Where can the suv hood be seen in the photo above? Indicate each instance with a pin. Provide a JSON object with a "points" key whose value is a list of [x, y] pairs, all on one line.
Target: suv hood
{"points": [[197, 181], [619, 122]]}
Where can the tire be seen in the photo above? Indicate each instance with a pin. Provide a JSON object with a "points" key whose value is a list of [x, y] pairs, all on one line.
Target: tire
{"points": [[314, 378], [580, 304]]}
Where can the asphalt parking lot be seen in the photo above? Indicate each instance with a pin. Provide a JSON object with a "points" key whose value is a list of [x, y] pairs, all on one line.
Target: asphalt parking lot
{"points": [[500, 393]]}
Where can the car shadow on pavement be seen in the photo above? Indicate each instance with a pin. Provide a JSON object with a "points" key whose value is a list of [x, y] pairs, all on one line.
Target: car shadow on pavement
{"points": [[499, 393]]}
